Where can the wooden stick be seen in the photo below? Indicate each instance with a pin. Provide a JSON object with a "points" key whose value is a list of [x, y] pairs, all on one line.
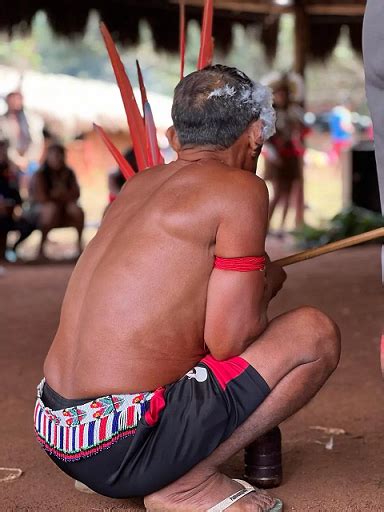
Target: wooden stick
{"points": [[334, 246]]}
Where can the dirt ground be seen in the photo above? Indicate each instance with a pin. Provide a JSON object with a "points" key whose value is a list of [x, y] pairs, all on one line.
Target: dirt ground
{"points": [[348, 477]]}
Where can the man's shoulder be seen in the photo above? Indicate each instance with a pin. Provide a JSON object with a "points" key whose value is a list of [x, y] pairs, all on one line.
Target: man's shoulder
{"points": [[239, 194], [246, 178], [245, 185]]}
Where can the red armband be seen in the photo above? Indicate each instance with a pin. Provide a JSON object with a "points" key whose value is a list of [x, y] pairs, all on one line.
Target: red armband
{"points": [[243, 264]]}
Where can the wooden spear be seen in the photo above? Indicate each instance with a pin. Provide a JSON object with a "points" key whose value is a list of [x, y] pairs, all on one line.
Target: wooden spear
{"points": [[334, 246]]}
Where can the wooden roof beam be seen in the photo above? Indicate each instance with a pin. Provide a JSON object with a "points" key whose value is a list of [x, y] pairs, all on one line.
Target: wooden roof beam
{"points": [[351, 9], [270, 7], [263, 7]]}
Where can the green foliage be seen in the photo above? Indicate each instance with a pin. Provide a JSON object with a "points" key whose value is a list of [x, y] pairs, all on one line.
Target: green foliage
{"points": [[349, 222], [81, 56], [19, 52]]}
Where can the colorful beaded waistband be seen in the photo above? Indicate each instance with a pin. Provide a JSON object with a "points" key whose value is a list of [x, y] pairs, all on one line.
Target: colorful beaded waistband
{"points": [[77, 432]]}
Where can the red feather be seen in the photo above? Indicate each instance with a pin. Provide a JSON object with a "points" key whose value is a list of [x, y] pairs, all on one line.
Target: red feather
{"points": [[120, 160], [135, 121], [155, 157], [206, 43], [182, 38], [141, 85]]}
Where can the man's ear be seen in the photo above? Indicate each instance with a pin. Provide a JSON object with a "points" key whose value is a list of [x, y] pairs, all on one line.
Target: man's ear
{"points": [[173, 139], [255, 135]]}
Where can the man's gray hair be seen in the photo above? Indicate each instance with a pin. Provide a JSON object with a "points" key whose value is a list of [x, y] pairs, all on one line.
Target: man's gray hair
{"points": [[215, 106]]}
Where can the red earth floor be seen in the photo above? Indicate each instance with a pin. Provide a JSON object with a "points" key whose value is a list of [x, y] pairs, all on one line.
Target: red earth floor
{"points": [[350, 477]]}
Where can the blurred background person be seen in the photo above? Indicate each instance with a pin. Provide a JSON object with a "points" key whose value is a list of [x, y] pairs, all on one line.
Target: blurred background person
{"points": [[9, 196], [54, 194], [284, 153], [24, 131], [341, 130]]}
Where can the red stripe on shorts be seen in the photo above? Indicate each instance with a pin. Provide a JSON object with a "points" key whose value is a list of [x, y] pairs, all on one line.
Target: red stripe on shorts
{"points": [[227, 370], [156, 405]]}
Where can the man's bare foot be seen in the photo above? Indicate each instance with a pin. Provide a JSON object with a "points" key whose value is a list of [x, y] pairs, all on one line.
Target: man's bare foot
{"points": [[213, 489]]}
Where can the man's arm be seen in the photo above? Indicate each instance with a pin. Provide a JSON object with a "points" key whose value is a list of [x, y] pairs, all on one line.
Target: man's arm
{"points": [[237, 302]]}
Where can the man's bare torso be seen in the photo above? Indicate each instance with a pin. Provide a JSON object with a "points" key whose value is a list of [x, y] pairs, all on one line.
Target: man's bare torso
{"points": [[134, 312]]}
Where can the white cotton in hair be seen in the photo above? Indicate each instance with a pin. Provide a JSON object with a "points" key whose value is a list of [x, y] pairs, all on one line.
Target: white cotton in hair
{"points": [[245, 95], [240, 73], [263, 100], [259, 99], [226, 90]]}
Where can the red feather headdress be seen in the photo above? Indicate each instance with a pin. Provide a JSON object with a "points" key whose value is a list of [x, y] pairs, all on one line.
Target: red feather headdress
{"points": [[142, 127]]}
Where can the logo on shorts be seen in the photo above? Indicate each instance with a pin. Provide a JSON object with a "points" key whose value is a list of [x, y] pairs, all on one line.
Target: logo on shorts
{"points": [[198, 373]]}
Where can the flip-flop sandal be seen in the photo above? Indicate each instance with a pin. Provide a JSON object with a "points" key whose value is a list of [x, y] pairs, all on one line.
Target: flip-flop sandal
{"points": [[248, 488]]}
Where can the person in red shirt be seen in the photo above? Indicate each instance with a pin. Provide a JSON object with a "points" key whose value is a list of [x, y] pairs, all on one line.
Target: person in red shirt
{"points": [[284, 155]]}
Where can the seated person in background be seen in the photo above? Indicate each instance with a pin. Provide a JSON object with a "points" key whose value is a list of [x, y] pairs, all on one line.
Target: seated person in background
{"points": [[54, 192], [116, 179], [9, 195]]}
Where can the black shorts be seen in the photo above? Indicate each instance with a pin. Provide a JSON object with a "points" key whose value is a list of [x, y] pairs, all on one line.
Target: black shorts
{"points": [[184, 423]]}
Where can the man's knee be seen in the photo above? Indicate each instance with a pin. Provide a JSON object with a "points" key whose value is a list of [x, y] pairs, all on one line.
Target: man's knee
{"points": [[325, 336]]}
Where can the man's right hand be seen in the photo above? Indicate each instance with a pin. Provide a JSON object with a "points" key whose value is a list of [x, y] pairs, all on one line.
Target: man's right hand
{"points": [[275, 275]]}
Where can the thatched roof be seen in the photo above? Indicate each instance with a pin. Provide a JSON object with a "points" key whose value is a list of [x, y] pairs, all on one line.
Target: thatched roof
{"points": [[69, 17]]}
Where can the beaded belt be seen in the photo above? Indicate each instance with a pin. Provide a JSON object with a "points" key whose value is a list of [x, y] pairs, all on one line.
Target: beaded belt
{"points": [[76, 432]]}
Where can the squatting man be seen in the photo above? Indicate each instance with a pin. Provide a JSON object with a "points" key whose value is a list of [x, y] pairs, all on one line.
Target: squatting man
{"points": [[165, 364]]}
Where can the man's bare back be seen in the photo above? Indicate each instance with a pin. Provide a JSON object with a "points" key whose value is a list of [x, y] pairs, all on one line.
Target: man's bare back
{"points": [[134, 313]]}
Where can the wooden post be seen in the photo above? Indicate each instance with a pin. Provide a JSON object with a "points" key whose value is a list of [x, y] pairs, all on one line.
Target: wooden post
{"points": [[301, 37]]}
